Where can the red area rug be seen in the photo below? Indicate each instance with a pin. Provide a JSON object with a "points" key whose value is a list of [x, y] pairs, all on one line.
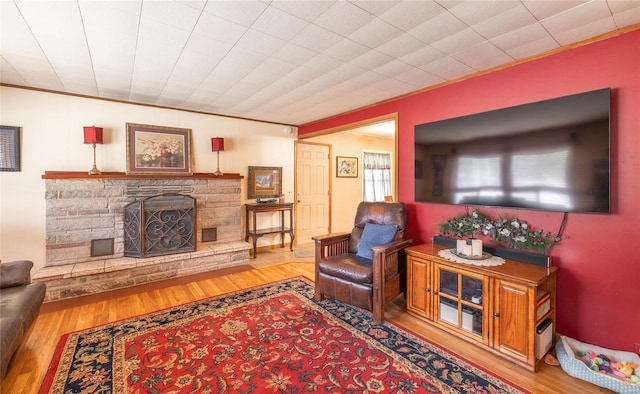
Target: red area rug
{"points": [[274, 338]]}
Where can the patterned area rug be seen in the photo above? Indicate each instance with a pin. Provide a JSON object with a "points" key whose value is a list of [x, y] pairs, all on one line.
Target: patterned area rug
{"points": [[274, 338]]}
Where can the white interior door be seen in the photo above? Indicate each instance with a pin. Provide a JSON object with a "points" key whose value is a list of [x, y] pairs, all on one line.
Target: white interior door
{"points": [[312, 189]]}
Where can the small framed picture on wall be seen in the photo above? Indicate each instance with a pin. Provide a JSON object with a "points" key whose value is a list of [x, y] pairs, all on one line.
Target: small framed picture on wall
{"points": [[346, 167]]}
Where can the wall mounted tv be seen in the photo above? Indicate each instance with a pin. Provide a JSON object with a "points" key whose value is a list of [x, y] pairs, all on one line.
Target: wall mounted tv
{"points": [[551, 155]]}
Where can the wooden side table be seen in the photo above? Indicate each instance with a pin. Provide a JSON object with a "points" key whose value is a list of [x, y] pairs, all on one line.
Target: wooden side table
{"points": [[251, 211]]}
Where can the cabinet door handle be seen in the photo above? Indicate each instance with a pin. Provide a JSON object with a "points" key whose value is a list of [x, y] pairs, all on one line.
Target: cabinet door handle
{"points": [[427, 289], [496, 314], [435, 292]]}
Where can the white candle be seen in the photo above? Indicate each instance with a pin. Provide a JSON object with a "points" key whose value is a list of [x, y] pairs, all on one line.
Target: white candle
{"points": [[460, 245], [476, 246], [467, 249]]}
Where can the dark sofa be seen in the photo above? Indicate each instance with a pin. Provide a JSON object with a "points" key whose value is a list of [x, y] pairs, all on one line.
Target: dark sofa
{"points": [[20, 302]]}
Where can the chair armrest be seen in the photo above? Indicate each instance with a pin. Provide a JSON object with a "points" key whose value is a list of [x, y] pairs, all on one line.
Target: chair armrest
{"points": [[15, 273], [391, 247], [331, 244]]}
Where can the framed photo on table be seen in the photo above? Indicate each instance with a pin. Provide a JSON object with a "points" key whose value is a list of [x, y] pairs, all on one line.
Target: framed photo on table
{"points": [[264, 182], [346, 167], [9, 148], [158, 150]]}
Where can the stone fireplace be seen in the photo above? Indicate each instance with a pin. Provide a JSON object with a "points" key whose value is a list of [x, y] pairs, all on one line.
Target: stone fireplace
{"points": [[83, 210]]}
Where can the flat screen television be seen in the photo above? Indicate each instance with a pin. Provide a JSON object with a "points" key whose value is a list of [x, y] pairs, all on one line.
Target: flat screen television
{"points": [[551, 155]]}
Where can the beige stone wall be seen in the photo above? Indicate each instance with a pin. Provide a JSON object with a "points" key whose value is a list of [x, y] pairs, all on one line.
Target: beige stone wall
{"points": [[81, 210]]}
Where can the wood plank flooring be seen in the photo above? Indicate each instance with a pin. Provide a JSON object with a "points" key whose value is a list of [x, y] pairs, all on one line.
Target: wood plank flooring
{"points": [[30, 363]]}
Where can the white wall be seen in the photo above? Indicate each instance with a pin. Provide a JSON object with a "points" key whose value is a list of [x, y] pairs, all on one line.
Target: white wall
{"points": [[346, 193], [52, 140]]}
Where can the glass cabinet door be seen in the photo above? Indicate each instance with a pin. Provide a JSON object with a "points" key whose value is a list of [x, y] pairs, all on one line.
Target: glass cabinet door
{"points": [[461, 300]]}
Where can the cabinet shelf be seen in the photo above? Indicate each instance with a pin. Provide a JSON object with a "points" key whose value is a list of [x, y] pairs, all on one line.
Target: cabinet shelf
{"points": [[498, 308]]}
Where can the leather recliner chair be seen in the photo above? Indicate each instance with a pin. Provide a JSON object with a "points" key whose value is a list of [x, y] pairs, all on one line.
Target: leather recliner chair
{"points": [[342, 274]]}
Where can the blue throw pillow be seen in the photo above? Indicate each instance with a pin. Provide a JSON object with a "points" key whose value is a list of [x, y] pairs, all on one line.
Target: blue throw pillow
{"points": [[374, 235]]}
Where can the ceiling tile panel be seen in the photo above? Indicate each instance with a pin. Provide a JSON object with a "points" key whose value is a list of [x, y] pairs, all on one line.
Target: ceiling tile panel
{"points": [[260, 42], [544, 9], [346, 50], [316, 38], [626, 17], [308, 10], [576, 17], [406, 15], [219, 29], [401, 46], [437, 28], [375, 33], [279, 24], [526, 41], [585, 31], [458, 41], [483, 57], [343, 18], [293, 53], [375, 7], [510, 20], [422, 56], [9, 75], [473, 12], [244, 12], [418, 78], [448, 68]]}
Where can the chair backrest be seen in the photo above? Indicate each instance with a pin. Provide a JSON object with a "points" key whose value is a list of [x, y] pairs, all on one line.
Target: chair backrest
{"points": [[378, 213]]}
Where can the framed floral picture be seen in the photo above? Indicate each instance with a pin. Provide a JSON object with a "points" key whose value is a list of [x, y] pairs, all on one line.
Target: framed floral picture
{"points": [[346, 167], [264, 182], [158, 150]]}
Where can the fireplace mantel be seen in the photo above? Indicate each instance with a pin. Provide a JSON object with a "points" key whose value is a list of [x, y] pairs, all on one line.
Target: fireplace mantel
{"points": [[122, 175]]}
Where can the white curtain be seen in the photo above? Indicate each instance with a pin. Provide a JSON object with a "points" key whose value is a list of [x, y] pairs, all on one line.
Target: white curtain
{"points": [[376, 175]]}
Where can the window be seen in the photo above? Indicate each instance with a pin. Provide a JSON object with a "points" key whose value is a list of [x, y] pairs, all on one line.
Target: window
{"points": [[376, 176]]}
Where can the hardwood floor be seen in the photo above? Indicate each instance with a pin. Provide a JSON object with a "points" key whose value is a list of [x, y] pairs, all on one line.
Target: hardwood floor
{"points": [[30, 363]]}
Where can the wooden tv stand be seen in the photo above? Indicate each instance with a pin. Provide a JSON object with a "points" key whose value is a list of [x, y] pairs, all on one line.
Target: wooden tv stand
{"points": [[499, 308]]}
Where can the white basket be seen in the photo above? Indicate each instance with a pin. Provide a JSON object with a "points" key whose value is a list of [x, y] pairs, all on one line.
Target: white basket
{"points": [[565, 351]]}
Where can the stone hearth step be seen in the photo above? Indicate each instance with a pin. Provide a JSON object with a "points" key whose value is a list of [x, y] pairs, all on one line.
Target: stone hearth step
{"points": [[96, 276]]}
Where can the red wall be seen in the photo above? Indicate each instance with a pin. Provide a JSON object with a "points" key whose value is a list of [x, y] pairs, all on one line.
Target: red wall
{"points": [[599, 276]]}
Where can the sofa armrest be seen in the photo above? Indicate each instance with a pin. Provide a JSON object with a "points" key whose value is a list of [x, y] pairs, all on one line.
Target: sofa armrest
{"points": [[15, 273]]}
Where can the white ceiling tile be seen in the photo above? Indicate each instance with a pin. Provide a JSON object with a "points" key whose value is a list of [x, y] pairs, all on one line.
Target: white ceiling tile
{"points": [[421, 56], [371, 60], [375, 33], [260, 42], [544, 9], [435, 29], [243, 12], [401, 46], [323, 63], [375, 7], [393, 68], [510, 20], [525, 41], [279, 24], [343, 18], [483, 56], [576, 17], [316, 38], [473, 12], [346, 50], [418, 78], [585, 31], [447, 68], [347, 71], [308, 10], [9, 75], [171, 13], [405, 15], [458, 41], [626, 17], [216, 28], [293, 53]]}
